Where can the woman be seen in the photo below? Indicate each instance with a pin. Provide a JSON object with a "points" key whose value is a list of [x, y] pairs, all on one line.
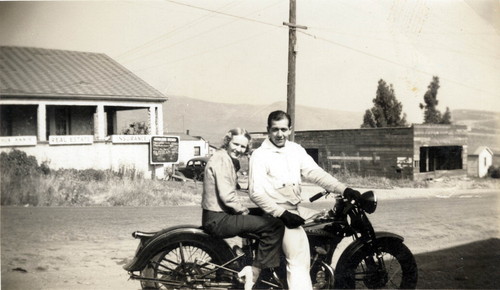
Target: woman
{"points": [[224, 216]]}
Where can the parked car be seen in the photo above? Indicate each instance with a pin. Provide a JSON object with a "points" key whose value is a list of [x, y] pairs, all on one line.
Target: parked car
{"points": [[194, 169]]}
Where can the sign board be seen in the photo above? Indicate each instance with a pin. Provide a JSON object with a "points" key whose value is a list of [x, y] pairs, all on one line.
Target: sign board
{"points": [[18, 141], [164, 149], [130, 138], [70, 139], [402, 162]]}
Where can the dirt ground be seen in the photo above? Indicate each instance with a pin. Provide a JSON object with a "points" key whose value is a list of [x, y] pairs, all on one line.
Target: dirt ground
{"points": [[457, 246]]}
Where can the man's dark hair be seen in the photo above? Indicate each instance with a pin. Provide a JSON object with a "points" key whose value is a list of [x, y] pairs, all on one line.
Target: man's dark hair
{"points": [[278, 115]]}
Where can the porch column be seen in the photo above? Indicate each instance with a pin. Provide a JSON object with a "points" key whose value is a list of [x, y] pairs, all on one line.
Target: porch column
{"points": [[159, 119], [156, 128], [152, 120], [100, 126], [426, 160], [42, 122]]}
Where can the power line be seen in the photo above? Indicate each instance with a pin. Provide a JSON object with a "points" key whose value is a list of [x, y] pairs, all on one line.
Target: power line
{"points": [[443, 46], [392, 62], [281, 27], [200, 53], [103, 79], [167, 34], [225, 14], [205, 31], [407, 32]]}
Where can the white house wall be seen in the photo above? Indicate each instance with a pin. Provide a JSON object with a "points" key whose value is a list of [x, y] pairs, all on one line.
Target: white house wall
{"points": [[101, 156], [186, 149], [472, 166], [484, 162]]}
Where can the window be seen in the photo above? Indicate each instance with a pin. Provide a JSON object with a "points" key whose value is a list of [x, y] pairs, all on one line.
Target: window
{"points": [[197, 151], [18, 120], [440, 158], [62, 119]]}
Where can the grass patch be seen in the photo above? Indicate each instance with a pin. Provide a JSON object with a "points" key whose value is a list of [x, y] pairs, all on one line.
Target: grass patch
{"points": [[373, 182], [355, 181], [24, 182]]}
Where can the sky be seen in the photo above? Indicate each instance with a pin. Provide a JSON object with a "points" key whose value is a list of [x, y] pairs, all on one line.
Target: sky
{"points": [[236, 51]]}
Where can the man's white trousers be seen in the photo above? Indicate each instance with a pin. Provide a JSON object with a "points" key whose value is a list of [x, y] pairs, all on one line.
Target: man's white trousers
{"points": [[298, 258]]}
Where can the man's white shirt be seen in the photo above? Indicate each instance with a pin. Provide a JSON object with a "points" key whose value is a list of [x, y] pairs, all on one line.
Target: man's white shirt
{"points": [[276, 176]]}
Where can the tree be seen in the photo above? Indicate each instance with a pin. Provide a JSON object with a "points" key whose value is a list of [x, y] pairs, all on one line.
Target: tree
{"points": [[446, 119], [431, 114], [368, 120], [386, 111]]}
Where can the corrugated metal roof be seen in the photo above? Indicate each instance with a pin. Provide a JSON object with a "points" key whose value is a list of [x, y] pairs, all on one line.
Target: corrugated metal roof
{"points": [[40, 72]]}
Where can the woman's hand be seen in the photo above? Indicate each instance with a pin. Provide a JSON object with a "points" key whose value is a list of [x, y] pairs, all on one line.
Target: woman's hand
{"points": [[246, 211]]}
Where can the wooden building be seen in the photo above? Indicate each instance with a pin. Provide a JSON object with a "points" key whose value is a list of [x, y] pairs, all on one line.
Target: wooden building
{"points": [[63, 107], [478, 161], [417, 152]]}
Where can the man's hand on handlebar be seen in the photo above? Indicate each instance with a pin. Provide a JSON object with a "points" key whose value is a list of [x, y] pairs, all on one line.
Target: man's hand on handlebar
{"points": [[351, 194], [291, 220]]}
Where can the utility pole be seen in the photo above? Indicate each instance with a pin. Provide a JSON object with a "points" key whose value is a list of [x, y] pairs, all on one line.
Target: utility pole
{"points": [[292, 41]]}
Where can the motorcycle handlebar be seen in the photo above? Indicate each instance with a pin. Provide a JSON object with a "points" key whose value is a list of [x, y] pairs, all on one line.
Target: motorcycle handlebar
{"points": [[318, 196]]}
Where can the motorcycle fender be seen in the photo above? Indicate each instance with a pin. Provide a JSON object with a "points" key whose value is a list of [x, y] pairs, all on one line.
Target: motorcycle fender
{"points": [[171, 235], [357, 245]]}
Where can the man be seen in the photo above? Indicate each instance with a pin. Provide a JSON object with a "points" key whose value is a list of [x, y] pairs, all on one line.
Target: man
{"points": [[276, 171]]}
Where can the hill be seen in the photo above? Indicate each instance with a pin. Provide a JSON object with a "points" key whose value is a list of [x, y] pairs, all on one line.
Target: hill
{"points": [[484, 128], [211, 120]]}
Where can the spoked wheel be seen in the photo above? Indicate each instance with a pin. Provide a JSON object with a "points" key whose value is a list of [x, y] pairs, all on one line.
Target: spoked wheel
{"points": [[394, 268], [185, 265]]}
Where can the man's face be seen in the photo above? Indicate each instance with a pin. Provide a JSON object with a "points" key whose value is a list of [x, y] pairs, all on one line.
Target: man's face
{"points": [[279, 132]]}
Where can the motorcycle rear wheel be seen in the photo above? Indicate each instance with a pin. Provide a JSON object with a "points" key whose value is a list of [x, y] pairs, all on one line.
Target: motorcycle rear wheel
{"points": [[180, 263], [321, 277], [364, 269]]}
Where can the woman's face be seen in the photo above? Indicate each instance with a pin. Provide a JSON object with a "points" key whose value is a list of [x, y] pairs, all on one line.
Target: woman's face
{"points": [[237, 146]]}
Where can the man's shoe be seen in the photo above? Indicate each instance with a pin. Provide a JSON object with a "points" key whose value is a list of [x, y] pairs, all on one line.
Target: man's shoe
{"points": [[247, 273]]}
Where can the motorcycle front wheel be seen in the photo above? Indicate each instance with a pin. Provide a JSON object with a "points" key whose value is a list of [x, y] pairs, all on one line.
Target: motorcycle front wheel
{"points": [[393, 268], [186, 265]]}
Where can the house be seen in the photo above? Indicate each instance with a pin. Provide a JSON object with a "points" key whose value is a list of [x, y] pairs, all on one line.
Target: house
{"points": [[63, 107], [191, 146], [478, 161], [417, 152], [212, 149]]}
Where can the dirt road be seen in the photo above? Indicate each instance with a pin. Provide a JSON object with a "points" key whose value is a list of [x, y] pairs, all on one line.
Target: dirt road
{"points": [[455, 238]]}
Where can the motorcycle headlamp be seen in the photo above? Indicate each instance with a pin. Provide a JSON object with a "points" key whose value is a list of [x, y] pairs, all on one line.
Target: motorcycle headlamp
{"points": [[368, 202]]}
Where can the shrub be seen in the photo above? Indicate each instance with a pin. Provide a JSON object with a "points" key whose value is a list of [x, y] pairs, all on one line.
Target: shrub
{"points": [[18, 163], [20, 175], [494, 172], [84, 174], [136, 128], [24, 182]]}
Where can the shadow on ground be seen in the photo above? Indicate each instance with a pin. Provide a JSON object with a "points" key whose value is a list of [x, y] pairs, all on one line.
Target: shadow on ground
{"points": [[470, 266]]}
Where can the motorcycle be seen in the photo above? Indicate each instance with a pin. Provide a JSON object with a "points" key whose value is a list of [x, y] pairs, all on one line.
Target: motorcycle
{"points": [[185, 257]]}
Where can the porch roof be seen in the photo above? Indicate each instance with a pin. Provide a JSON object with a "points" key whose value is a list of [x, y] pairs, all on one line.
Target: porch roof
{"points": [[31, 72]]}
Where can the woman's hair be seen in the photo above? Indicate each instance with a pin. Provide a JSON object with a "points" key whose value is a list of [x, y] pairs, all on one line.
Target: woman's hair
{"points": [[235, 132]]}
